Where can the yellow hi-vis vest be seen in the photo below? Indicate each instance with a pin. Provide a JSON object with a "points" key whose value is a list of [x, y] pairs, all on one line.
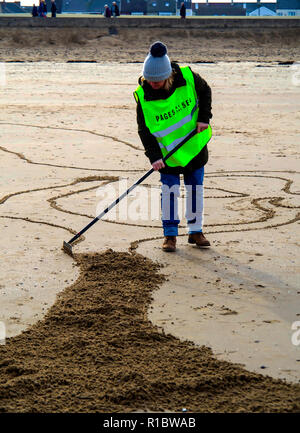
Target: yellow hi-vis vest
{"points": [[173, 119]]}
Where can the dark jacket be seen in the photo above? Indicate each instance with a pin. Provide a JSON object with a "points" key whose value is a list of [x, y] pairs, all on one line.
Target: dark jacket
{"points": [[183, 11], [115, 10], [41, 10], [34, 11], [152, 149], [53, 8], [107, 13]]}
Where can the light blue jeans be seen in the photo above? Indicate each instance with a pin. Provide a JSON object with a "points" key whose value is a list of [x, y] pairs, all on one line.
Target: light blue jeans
{"points": [[170, 191]]}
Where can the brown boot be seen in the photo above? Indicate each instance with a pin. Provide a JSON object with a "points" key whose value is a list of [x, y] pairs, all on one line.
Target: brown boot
{"points": [[169, 244], [199, 239]]}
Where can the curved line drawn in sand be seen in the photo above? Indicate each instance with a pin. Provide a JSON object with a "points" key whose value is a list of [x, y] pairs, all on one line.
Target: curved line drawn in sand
{"points": [[134, 245], [53, 203], [286, 188], [236, 194], [75, 182], [87, 131], [28, 220], [276, 202], [29, 161], [267, 212]]}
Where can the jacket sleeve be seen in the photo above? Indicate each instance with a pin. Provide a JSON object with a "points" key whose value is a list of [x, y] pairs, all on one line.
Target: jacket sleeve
{"points": [[152, 149], [204, 95]]}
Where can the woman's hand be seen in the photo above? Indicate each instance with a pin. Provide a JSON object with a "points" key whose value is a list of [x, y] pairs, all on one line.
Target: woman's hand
{"points": [[157, 165], [201, 126]]}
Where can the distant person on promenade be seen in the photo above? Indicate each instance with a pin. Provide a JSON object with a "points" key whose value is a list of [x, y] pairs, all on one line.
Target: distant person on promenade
{"points": [[182, 10], [115, 10], [53, 9], [107, 11], [41, 9], [45, 8], [34, 11]]}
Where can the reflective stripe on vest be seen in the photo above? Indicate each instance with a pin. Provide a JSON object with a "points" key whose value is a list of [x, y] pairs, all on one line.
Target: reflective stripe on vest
{"points": [[177, 125], [174, 143], [171, 120]]}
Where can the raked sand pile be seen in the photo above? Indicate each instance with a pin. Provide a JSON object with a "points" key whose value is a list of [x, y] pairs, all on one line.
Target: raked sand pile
{"points": [[96, 351]]}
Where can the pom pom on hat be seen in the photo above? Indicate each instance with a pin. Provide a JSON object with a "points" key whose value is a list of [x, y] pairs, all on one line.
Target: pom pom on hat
{"points": [[158, 49], [157, 65]]}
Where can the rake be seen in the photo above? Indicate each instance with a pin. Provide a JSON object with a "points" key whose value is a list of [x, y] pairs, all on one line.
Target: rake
{"points": [[67, 246]]}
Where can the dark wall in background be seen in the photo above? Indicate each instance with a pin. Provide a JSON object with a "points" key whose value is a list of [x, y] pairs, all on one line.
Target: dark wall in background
{"points": [[212, 9], [129, 6], [168, 6], [94, 6]]}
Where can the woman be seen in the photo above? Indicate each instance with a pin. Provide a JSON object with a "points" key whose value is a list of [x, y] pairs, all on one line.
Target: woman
{"points": [[41, 9], [45, 9], [174, 103], [107, 11]]}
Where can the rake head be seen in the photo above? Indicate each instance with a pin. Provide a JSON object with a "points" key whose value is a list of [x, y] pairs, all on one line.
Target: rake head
{"points": [[68, 248]]}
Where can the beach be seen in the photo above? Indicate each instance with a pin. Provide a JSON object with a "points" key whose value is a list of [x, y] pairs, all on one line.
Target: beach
{"points": [[68, 143]]}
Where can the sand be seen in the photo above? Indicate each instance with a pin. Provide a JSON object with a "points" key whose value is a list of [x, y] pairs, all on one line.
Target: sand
{"points": [[68, 128], [130, 45]]}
